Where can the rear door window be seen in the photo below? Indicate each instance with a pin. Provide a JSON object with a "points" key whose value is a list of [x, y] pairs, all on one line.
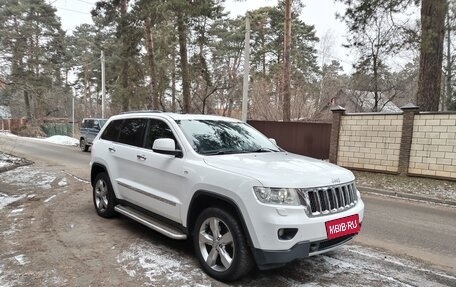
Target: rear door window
{"points": [[132, 132]]}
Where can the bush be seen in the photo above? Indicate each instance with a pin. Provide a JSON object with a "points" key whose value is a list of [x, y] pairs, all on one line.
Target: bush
{"points": [[30, 131]]}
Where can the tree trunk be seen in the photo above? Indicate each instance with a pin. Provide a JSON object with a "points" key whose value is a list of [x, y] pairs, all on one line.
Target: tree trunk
{"points": [[449, 91], [181, 29], [151, 58], [173, 81], [87, 111], [28, 109], [431, 53], [125, 68], [376, 97], [286, 62]]}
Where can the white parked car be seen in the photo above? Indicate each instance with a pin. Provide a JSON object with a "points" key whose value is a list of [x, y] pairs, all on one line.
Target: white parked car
{"points": [[240, 198]]}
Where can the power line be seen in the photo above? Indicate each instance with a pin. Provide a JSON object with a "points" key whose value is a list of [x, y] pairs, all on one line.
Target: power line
{"points": [[87, 2], [71, 10]]}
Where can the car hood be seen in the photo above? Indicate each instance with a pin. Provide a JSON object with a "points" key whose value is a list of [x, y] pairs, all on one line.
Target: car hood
{"points": [[282, 169]]}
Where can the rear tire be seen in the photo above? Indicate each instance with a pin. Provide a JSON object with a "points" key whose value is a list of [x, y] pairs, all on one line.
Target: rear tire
{"points": [[104, 198], [83, 146], [220, 245]]}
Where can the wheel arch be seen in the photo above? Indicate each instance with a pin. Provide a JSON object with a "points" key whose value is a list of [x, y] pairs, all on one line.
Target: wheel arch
{"points": [[95, 170], [203, 199]]}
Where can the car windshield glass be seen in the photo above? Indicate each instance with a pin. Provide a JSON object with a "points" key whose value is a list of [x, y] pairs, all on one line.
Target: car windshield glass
{"points": [[215, 137], [102, 123]]}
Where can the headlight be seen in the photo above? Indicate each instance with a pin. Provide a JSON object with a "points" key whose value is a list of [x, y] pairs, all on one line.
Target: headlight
{"points": [[279, 196]]}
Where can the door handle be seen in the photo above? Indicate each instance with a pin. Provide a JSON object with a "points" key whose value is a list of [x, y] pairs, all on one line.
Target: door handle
{"points": [[112, 149], [141, 157]]}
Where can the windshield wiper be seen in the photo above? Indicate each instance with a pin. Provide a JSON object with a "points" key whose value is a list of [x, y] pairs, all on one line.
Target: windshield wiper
{"points": [[220, 152], [265, 149]]}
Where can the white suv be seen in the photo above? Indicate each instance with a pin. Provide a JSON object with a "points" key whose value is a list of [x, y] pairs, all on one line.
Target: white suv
{"points": [[242, 199]]}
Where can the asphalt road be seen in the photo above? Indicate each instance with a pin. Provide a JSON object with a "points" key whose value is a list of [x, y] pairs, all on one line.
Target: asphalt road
{"points": [[424, 231]]}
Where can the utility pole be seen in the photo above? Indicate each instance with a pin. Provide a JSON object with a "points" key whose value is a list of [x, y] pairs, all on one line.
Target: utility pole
{"points": [[103, 87], [245, 86], [286, 63], [72, 122]]}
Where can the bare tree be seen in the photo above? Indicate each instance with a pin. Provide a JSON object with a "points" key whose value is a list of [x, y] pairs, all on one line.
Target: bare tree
{"points": [[376, 44]]}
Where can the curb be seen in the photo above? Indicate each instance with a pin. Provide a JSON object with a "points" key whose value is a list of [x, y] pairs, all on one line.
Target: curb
{"points": [[405, 195]]}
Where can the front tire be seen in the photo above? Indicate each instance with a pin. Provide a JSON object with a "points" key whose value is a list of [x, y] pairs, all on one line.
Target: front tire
{"points": [[220, 245], [104, 198], [83, 146]]}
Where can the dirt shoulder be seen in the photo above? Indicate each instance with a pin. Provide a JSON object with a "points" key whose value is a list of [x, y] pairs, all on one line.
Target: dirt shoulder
{"points": [[440, 191]]}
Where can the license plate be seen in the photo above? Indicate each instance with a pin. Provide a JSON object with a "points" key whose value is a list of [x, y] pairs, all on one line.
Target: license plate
{"points": [[342, 226]]}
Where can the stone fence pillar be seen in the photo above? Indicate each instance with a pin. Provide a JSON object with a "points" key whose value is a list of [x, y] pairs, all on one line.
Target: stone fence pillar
{"points": [[338, 112], [406, 140]]}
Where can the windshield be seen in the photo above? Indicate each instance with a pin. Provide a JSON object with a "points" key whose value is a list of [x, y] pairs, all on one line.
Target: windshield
{"points": [[213, 137], [102, 123]]}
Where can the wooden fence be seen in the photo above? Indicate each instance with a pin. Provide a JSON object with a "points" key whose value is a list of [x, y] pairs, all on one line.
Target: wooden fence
{"points": [[305, 138]]}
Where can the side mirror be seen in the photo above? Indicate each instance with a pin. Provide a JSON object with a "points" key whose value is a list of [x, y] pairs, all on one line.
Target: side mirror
{"points": [[273, 141], [166, 146]]}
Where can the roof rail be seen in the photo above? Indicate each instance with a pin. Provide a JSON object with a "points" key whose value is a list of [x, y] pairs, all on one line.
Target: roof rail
{"points": [[142, 111]]}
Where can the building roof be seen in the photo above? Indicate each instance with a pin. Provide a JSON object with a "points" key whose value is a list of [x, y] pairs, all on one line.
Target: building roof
{"points": [[364, 101]]}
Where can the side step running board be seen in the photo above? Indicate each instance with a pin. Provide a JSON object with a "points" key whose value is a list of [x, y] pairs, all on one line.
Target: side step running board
{"points": [[150, 222]]}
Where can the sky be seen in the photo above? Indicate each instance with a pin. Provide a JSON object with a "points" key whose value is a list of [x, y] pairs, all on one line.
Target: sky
{"points": [[320, 13]]}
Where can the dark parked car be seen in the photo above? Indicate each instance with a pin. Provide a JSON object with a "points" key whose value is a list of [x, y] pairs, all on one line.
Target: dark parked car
{"points": [[89, 130]]}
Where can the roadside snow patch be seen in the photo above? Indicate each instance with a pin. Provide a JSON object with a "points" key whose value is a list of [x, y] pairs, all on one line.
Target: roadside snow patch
{"points": [[8, 160], [21, 259], [160, 265], [25, 176], [8, 134], [62, 140], [5, 199], [19, 210], [49, 199], [63, 182]]}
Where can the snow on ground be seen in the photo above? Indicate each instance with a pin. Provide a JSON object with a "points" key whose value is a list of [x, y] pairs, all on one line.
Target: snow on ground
{"points": [[6, 199], [7, 134], [49, 198], [351, 265], [63, 182], [61, 140], [7, 160], [26, 176], [160, 264], [21, 259]]}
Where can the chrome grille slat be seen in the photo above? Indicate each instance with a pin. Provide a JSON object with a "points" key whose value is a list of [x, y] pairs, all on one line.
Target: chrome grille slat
{"points": [[346, 196], [330, 199], [319, 209]]}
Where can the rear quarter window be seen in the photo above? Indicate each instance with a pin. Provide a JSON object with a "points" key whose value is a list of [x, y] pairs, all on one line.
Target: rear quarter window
{"points": [[111, 133]]}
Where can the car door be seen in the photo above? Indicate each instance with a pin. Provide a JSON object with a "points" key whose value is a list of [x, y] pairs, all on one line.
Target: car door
{"points": [[93, 130], [160, 178], [122, 157]]}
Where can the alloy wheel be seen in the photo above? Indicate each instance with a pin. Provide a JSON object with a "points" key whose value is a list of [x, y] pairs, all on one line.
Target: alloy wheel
{"points": [[101, 195], [216, 244]]}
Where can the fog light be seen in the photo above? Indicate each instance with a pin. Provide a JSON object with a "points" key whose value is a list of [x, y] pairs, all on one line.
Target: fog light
{"points": [[287, 233]]}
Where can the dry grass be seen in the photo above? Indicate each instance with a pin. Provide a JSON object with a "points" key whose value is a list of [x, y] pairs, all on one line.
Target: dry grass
{"points": [[30, 131]]}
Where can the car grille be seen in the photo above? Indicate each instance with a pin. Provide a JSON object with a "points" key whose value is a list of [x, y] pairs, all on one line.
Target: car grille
{"points": [[329, 200]]}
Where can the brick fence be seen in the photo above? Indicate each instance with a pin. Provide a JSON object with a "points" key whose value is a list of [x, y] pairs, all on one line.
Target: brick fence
{"points": [[11, 124], [406, 143]]}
